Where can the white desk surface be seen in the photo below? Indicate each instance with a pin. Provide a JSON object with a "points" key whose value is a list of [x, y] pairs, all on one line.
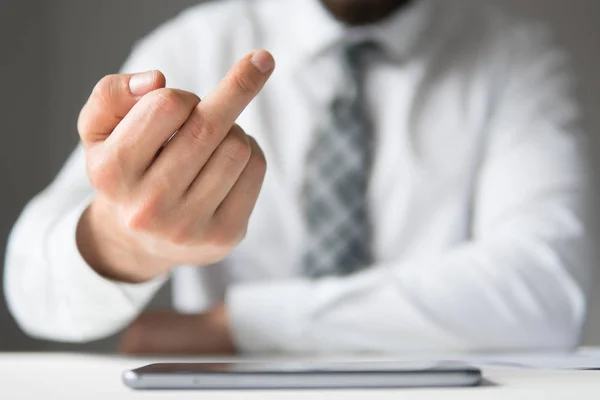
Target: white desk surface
{"points": [[80, 376]]}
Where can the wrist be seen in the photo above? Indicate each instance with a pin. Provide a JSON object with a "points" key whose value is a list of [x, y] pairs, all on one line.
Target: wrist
{"points": [[110, 251]]}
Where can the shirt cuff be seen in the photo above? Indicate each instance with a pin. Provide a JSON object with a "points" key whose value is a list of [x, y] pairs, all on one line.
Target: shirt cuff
{"points": [[89, 298], [267, 317]]}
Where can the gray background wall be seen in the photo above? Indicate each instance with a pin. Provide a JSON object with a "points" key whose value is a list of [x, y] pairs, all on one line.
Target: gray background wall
{"points": [[53, 52]]}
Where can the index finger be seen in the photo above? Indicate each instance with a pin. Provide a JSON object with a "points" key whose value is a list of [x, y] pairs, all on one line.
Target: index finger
{"points": [[234, 92], [111, 100]]}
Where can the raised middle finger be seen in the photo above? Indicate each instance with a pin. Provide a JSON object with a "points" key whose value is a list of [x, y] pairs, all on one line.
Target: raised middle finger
{"points": [[190, 149]]}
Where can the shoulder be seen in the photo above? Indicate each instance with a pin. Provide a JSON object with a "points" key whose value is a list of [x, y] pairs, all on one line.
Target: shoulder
{"points": [[488, 54], [486, 36]]}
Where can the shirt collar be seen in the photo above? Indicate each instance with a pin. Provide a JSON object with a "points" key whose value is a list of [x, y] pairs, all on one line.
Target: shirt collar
{"points": [[315, 32]]}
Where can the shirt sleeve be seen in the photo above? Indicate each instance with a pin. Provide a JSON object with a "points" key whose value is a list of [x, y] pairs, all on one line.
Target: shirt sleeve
{"points": [[521, 282], [51, 291]]}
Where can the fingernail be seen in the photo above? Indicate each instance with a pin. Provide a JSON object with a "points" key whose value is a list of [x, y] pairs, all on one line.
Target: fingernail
{"points": [[140, 84], [263, 61]]}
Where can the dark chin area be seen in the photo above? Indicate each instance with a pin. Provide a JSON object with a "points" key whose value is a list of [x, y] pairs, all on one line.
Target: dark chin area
{"points": [[363, 12]]}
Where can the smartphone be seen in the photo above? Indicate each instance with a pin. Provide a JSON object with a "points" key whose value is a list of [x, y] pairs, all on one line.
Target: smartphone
{"points": [[303, 375]]}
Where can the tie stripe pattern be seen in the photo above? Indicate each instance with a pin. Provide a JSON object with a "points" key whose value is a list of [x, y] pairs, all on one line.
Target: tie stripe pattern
{"points": [[338, 167]]}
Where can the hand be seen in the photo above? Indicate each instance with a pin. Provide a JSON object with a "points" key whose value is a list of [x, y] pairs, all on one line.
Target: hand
{"points": [[169, 333], [162, 203]]}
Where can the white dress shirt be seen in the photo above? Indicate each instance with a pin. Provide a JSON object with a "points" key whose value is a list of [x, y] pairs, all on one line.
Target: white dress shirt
{"points": [[478, 193]]}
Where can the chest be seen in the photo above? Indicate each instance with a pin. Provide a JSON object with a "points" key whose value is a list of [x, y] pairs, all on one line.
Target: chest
{"points": [[429, 136]]}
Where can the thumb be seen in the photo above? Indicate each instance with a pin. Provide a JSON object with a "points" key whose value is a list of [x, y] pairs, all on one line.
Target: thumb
{"points": [[112, 98]]}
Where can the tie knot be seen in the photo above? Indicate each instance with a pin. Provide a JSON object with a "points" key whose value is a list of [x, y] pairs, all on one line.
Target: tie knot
{"points": [[357, 54]]}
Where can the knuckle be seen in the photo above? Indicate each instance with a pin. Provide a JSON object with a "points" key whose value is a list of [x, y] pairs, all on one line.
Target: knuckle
{"points": [[227, 233], [200, 128], [99, 178], [189, 229], [105, 173], [239, 231], [245, 82], [136, 221], [181, 234], [224, 239], [166, 101], [257, 166], [160, 184], [143, 215], [106, 90], [237, 148]]}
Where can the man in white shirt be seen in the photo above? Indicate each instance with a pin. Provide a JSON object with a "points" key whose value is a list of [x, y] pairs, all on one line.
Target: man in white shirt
{"points": [[471, 231]]}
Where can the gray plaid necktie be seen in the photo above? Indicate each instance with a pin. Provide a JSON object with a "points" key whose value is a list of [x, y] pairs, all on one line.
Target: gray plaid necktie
{"points": [[337, 174]]}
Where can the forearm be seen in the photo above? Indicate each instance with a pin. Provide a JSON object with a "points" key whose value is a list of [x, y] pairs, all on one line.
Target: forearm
{"points": [[522, 283], [51, 291], [502, 295]]}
